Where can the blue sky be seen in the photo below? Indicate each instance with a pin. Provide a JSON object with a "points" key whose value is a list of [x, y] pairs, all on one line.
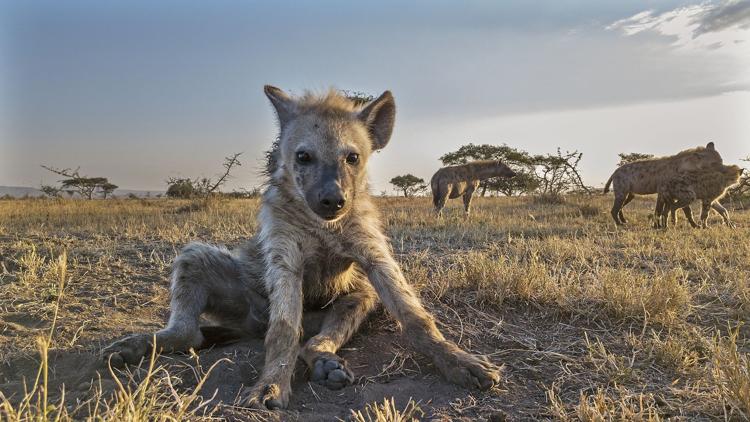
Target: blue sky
{"points": [[141, 91]]}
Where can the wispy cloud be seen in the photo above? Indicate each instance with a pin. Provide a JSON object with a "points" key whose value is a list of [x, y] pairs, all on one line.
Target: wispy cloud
{"points": [[733, 13], [702, 27]]}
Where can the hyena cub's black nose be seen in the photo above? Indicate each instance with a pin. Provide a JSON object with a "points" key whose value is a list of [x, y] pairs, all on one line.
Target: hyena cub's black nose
{"points": [[332, 202]]}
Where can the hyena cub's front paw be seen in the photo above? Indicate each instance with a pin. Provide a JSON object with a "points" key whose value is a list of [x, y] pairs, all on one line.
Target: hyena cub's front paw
{"points": [[331, 371], [266, 396], [129, 350], [469, 370]]}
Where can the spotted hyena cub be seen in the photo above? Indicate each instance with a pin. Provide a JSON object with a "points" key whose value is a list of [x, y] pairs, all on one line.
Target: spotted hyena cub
{"points": [[320, 246], [708, 185]]}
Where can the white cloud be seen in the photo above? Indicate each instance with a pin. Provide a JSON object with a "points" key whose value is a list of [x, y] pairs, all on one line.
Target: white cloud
{"points": [[707, 33], [705, 26]]}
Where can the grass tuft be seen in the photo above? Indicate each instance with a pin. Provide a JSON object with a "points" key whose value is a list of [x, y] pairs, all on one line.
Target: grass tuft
{"points": [[388, 412]]}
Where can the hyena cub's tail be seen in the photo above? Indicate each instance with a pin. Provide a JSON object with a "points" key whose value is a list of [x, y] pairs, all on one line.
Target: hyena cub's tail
{"points": [[435, 185], [609, 182]]}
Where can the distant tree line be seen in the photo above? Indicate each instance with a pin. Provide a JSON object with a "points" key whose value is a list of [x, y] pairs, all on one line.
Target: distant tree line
{"points": [[87, 187]]}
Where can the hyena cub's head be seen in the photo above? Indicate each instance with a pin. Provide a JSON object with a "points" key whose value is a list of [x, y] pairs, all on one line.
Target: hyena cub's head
{"points": [[731, 175], [324, 144], [700, 158], [503, 170]]}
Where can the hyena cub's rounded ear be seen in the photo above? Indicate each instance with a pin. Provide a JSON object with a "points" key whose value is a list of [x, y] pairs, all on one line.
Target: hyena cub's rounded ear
{"points": [[285, 106], [710, 145], [379, 117]]}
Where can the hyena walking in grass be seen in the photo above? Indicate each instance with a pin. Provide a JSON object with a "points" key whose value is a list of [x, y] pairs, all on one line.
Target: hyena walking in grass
{"points": [[320, 244], [462, 180], [708, 185], [643, 177]]}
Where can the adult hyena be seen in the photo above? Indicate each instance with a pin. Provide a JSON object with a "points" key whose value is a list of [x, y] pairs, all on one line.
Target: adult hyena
{"points": [[643, 177], [320, 244], [462, 180], [709, 185]]}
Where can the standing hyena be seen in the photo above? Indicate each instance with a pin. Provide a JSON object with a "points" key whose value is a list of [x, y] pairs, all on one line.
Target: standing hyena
{"points": [[708, 185], [320, 244], [462, 180], [643, 177]]}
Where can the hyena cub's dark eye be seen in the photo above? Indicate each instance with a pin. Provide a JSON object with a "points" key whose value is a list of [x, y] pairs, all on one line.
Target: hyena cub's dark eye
{"points": [[352, 158], [303, 157]]}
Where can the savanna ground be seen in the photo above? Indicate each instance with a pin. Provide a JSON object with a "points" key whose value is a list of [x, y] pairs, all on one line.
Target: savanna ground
{"points": [[590, 321]]}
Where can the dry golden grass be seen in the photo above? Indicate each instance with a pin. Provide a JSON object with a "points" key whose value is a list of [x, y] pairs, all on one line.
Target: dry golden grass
{"points": [[388, 412], [591, 321]]}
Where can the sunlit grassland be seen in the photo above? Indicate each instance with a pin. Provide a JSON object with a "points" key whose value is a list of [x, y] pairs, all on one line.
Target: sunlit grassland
{"points": [[629, 323]]}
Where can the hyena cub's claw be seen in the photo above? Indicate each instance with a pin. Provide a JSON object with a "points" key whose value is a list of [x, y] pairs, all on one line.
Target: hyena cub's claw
{"points": [[127, 351], [266, 396], [469, 370], [331, 371], [477, 371]]}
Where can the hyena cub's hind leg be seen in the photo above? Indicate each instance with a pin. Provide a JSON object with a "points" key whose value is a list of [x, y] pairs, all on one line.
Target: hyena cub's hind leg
{"points": [[621, 199], [340, 323], [201, 275], [627, 200]]}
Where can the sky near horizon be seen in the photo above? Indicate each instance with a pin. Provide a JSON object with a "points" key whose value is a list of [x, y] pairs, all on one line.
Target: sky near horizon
{"points": [[140, 91]]}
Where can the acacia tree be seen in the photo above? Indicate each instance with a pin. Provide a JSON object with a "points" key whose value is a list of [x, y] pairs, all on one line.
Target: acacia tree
{"points": [[559, 173], [524, 182], [409, 184], [178, 187], [107, 189], [520, 161], [85, 186], [626, 158]]}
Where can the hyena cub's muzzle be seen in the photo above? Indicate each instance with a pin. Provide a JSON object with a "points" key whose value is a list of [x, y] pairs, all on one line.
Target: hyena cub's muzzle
{"points": [[329, 202], [508, 172]]}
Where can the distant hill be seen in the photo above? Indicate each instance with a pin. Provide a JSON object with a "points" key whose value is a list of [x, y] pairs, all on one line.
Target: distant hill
{"points": [[21, 191]]}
